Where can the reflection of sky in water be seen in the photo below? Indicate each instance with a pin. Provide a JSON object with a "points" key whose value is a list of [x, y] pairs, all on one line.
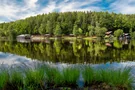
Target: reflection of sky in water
{"points": [[11, 59]]}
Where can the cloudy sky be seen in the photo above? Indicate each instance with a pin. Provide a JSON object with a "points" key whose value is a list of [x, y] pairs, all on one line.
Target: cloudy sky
{"points": [[11, 10]]}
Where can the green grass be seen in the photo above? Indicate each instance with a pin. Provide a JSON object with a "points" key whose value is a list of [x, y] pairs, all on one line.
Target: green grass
{"points": [[45, 77], [116, 78], [4, 77], [15, 79], [120, 77], [35, 77], [88, 75], [53, 76], [70, 76]]}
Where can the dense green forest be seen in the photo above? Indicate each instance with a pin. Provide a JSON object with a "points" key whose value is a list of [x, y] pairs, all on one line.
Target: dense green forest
{"points": [[77, 23]]}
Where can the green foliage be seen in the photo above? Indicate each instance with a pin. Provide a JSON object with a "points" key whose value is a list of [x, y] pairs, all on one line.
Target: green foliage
{"points": [[117, 44], [34, 77], [16, 79], [57, 46], [80, 31], [75, 30], [91, 30], [58, 31], [88, 75], [118, 32], [49, 28], [70, 76], [44, 77], [133, 35], [4, 77], [100, 32], [70, 22], [41, 29], [51, 73], [119, 77]]}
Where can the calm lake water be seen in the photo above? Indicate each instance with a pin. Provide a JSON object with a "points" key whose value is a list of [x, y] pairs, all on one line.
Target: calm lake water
{"points": [[105, 54]]}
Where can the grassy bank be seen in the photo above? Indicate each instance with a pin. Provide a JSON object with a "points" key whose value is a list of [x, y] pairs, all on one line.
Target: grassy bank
{"points": [[46, 77]]}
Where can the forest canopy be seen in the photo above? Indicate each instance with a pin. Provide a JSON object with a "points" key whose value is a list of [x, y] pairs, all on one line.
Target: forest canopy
{"points": [[66, 23]]}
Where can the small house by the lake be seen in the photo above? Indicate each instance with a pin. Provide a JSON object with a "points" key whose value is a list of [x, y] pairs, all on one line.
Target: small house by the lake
{"points": [[108, 35], [36, 38], [24, 36]]}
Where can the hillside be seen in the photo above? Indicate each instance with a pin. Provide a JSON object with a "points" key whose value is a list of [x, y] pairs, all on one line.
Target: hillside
{"points": [[77, 23]]}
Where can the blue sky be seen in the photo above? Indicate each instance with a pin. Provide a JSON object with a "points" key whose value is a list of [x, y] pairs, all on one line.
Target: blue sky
{"points": [[11, 10]]}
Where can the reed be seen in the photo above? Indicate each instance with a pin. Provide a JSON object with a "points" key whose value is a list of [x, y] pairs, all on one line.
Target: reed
{"points": [[46, 77], [115, 78], [4, 78], [34, 77], [70, 76], [88, 75]]}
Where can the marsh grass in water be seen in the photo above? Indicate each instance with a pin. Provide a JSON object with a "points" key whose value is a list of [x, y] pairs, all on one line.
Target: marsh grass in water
{"points": [[43, 77], [116, 78], [88, 75], [35, 78], [4, 78], [70, 76], [53, 77], [15, 80]]}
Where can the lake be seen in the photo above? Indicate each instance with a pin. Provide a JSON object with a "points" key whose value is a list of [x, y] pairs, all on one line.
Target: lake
{"points": [[64, 52], [70, 52], [105, 54]]}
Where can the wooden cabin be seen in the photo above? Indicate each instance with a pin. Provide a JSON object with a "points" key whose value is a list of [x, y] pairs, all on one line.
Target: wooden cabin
{"points": [[37, 37], [108, 33], [24, 36]]}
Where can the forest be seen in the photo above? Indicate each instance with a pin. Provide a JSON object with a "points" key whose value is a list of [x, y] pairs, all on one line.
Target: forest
{"points": [[66, 23]]}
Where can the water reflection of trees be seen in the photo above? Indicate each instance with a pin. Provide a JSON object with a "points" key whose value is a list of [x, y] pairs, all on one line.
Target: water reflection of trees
{"points": [[78, 51]]}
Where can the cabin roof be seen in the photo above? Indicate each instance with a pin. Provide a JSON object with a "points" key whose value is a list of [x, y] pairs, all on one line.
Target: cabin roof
{"points": [[108, 32], [23, 35]]}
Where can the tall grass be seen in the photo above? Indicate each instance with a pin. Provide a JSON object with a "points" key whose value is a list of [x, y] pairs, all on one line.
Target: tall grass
{"points": [[4, 77], [66, 77], [10, 79], [15, 80], [70, 76], [53, 76], [117, 78], [88, 75], [46, 77], [35, 77]]}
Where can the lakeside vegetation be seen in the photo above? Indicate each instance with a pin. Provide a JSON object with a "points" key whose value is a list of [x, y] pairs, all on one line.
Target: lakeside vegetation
{"points": [[44, 77], [76, 23]]}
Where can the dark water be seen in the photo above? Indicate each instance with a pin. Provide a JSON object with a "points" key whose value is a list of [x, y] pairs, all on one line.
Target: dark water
{"points": [[75, 51]]}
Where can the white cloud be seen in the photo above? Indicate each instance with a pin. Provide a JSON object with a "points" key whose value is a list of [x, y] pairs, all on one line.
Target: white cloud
{"points": [[123, 6], [31, 3], [49, 8], [77, 6], [12, 10], [8, 9]]}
